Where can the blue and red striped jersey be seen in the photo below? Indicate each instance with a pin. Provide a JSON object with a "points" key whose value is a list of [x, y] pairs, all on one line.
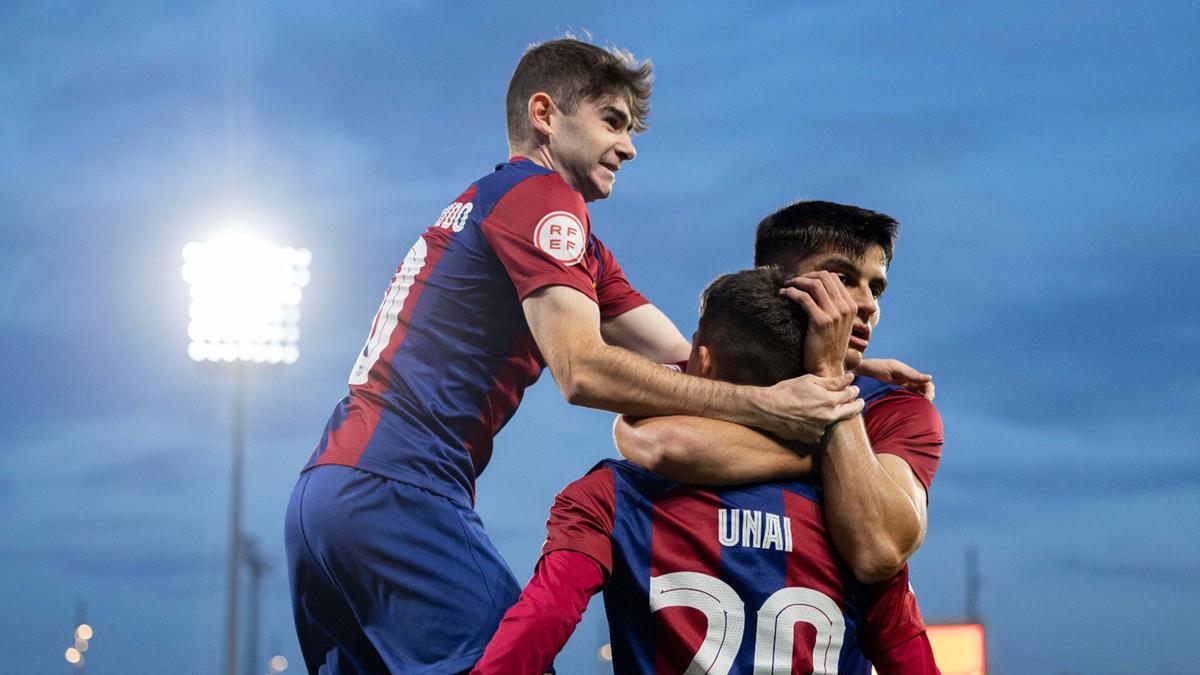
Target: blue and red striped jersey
{"points": [[741, 579], [449, 354], [900, 422]]}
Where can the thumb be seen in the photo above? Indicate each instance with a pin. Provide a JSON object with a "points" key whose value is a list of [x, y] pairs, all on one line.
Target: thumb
{"points": [[838, 382]]}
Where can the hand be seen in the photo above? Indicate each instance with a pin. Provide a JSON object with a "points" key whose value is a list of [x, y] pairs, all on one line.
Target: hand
{"points": [[892, 371], [801, 408], [831, 313]]}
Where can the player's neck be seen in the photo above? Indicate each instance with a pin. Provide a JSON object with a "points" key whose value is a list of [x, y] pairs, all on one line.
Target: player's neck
{"points": [[538, 154]]}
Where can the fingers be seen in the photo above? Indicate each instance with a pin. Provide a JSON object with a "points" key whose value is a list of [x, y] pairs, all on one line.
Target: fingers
{"points": [[810, 404], [903, 371], [805, 300], [812, 284], [925, 389], [836, 383], [845, 411], [837, 291]]}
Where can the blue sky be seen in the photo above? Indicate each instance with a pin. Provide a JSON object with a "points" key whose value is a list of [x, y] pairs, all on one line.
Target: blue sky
{"points": [[1042, 161]]}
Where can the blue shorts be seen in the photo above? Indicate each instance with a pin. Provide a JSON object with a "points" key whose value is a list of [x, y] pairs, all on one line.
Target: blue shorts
{"points": [[389, 578]]}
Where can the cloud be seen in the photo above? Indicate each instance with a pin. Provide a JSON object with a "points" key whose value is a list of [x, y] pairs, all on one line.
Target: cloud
{"points": [[1079, 477], [1173, 575], [140, 558]]}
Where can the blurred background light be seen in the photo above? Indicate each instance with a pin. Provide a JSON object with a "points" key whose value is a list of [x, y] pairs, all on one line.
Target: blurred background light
{"points": [[245, 298]]}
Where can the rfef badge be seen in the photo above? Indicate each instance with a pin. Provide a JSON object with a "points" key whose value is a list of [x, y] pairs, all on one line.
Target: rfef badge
{"points": [[560, 235]]}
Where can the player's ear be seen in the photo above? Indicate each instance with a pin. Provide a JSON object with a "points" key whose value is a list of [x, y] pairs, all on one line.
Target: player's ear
{"points": [[706, 363], [541, 111]]}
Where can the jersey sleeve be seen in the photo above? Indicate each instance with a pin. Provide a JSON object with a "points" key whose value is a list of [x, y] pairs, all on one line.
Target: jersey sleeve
{"points": [[582, 518], [539, 230], [535, 629], [614, 292], [892, 618], [905, 424], [911, 657]]}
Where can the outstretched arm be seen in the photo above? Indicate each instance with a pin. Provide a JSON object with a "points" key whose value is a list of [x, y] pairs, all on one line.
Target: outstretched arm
{"points": [[703, 451], [899, 373], [535, 629], [576, 560], [566, 326]]}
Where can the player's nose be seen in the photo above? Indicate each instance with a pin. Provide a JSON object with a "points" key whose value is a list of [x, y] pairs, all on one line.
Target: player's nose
{"points": [[625, 149], [868, 304]]}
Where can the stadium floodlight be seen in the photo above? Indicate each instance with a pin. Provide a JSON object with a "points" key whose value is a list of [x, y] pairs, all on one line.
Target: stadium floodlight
{"points": [[245, 308], [245, 300]]}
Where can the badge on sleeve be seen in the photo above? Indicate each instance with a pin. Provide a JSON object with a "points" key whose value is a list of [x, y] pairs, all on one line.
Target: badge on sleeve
{"points": [[560, 235]]}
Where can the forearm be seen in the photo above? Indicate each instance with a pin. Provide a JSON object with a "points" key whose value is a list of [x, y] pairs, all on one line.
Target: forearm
{"points": [[704, 451], [535, 629], [565, 324], [873, 522], [617, 380], [647, 331]]}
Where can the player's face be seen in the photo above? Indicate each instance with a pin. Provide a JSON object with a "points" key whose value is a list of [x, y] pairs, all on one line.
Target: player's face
{"points": [[865, 278], [588, 148]]}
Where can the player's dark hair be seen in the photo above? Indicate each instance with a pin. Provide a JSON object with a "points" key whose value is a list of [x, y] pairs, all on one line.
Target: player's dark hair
{"points": [[804, 228], [756, 335], [572, 71]]}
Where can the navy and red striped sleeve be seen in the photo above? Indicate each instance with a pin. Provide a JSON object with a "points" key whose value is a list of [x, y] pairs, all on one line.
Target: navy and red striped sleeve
{"points": [[614, 292], [539, 230], [582, 518], [905, 424]]}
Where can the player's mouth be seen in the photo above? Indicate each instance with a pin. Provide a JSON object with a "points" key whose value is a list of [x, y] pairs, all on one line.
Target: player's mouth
{"points": [[859, 337]]}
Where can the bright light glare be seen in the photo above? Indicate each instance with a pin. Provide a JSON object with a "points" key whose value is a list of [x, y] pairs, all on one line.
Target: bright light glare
{"points": [[83, 631], [81, 644], [606, 652], [277, 664], [73, 656], [958, 648], [245, 300]]}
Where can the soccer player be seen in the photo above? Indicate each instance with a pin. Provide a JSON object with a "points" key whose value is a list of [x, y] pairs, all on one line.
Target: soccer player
{"points": [[742, 579], [389, 565], [875, 468]]}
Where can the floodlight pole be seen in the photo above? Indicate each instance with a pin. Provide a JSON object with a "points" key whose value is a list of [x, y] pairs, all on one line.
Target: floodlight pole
{"points": [[258, 567], [235, 518]]}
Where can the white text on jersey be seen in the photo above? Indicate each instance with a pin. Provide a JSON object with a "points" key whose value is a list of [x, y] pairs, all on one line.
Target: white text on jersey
{"points": [[744, 527]]}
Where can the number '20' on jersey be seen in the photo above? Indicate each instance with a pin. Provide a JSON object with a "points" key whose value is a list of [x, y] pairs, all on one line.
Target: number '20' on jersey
{"points": [[718, 581]]}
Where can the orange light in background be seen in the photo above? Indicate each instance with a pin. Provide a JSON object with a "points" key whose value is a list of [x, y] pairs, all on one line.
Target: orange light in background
{"points": [[958, 649]]}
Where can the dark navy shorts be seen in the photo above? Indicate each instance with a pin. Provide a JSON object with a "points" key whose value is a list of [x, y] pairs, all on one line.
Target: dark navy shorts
{"points": [[389, 578]]}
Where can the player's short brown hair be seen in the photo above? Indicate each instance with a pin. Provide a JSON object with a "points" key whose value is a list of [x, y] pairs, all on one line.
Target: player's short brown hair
{"points": [[756, 335], [572, 71], [801, 229]]}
